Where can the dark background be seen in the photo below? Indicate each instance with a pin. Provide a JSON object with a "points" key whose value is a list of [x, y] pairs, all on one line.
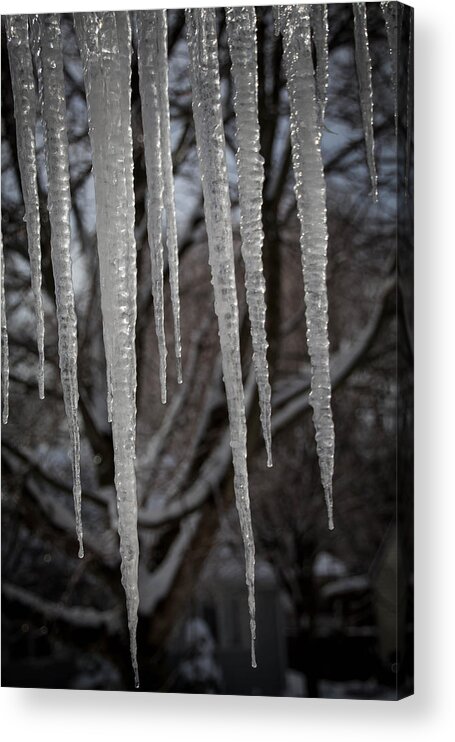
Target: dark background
{"points": [[334, 608]]}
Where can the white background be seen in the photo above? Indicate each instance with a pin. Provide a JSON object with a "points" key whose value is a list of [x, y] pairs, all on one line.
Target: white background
{"points": [[85, 715]]}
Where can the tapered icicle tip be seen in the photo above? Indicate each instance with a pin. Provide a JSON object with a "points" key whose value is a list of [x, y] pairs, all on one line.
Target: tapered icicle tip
{"points": [[265, 415], [79, 532], [135, 669], [251, 605], [253, 643], [268, 449], [363, 66], [330, 510], [178, 364], [163, 393], [41, 380]]}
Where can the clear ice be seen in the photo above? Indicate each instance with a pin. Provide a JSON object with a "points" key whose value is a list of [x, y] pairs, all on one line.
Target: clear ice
{"points": [[168, 182], [208, 119], [147, 49], [25, 103], [104, 44], [363, 65], [320, 28], [124, 48], [59, 206], [241, 28], [311, 205]]}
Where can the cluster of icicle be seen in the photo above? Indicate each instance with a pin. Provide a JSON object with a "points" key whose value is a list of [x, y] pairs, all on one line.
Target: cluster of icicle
{"points": [[105, 41], [151, 29], [49, 68]]}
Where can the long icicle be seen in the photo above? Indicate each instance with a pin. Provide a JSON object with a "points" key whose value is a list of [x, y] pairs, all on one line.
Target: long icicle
{"points": [[363, 65], [168, 182], [320, 27], [102, 46], [147, 48], [205, 82], [311, 205], [241, 28], [59, 205], [125, 47], [24, 95], [5, 352]]}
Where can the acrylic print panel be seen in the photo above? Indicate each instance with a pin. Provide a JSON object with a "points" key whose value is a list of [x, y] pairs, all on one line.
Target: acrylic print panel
{"points": [[207, 353]]}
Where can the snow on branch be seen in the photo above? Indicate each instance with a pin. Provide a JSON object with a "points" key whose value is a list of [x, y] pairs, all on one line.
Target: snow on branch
{"points": [[77, 616]]}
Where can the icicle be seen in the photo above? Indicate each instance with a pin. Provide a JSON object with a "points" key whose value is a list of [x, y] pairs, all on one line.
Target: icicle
{"points": [[241, 28], [320, 26], [124, 48], [5, 353], [363, 64], [393, 18], [168, 182], [59, 205], [311, 205], [102, 41], [35, 46], [147, 49], [24, 94], [205, 82]]}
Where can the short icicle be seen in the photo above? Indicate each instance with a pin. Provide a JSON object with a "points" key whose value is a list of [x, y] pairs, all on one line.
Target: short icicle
{"points": [[363, 65], [311, 206], [393, 15], [59, 206], [5, 352], [25, 102], [241, 28], [147, 49], [168, 183], [320, 27], [103, 42], [205, 82]]}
